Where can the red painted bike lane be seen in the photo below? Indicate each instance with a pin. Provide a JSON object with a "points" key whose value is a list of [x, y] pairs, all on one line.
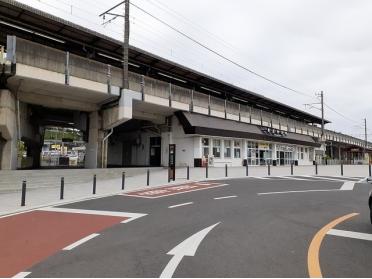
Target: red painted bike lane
{"points": [[29, 238]]}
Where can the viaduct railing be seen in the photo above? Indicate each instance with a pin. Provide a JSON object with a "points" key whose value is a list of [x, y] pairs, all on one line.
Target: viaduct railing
{"points": [[33, 54]]}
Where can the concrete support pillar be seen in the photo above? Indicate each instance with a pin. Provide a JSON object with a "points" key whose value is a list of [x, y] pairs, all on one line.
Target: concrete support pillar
{"points": [[94, 147], [8, 131], [166, 140]]}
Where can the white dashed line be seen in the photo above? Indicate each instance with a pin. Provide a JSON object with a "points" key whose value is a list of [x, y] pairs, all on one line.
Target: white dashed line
{"points": [[227, 197], [349, 234], [181, 204], [304, 191], [81, 241], [21, 275]]}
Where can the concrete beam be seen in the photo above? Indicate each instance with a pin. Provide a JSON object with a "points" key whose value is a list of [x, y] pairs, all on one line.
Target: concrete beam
{"points": [[116, 116], [56, 102]]}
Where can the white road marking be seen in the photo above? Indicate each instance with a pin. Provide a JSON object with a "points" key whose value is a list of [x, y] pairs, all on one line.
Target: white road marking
{"points": [[130, 215], [81, 241], [258, 177], [356, 235], [303, 191], [227, 197], [22, 275], [348, 186], [298, 178], [363, 180], [186, 248], [325, 178], [203, 183], [181, 204]]}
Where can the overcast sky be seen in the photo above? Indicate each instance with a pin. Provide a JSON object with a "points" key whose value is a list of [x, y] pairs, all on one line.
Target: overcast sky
{"points": [[307, 45]]}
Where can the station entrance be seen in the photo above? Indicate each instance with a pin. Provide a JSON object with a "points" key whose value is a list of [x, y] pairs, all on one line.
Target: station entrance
{"points": [[136, 143], [52, 138]]}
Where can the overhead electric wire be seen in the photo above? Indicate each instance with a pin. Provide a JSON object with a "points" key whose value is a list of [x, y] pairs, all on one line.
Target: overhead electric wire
{"points": [[194, 41], [234, 62], [218, 54]]}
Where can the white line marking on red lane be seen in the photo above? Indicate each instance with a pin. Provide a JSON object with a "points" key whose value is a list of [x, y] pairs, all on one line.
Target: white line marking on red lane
{"points": [[81, 241], [22, 274], [227, 197], [130, 215], [349, 234], [303, 191], [181, 204], [187, 247]]}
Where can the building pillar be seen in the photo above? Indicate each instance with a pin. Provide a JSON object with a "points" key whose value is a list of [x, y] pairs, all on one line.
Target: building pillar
{"points": [[93, 158], [8, 131], [166, 140]]}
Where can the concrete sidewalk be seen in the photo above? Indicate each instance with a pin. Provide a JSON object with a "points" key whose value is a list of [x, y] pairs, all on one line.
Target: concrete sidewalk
{"points": [[79, 183]]}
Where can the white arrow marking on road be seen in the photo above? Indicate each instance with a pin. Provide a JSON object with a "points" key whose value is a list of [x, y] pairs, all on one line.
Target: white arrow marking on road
{"points": [[187, 247]]}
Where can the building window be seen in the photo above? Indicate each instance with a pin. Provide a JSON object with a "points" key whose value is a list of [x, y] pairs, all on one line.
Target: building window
{"points": [[301, 153], [236, 149], [252, 153], [205, 143], [227, 152], [217, 148]]}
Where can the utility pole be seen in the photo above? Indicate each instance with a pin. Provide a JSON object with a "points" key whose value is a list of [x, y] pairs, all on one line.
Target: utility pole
{"points": [[365, 136], [322, 109], [125, 84], [126, 46], [321, 96]]}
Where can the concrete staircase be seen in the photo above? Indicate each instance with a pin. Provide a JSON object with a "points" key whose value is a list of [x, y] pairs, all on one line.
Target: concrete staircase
{"points": [[12, 180]]}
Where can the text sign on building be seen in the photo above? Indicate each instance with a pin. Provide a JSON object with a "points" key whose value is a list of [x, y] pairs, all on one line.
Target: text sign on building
{"points": [[172, 162]]}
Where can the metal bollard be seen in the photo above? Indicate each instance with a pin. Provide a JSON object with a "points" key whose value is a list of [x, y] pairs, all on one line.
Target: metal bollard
{"points": [[61, 194], [226, 170], [123, 180], [268, 170], [169, 179], [188, 173], [148, 177], [23, 199], [369, 169], [316, 168], [291, 168], [206, 171], [94, 184], [246, 169], [342, 169]]}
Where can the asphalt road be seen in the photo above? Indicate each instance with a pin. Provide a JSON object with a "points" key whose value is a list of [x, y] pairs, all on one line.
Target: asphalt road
{"points": [[262, 228]]}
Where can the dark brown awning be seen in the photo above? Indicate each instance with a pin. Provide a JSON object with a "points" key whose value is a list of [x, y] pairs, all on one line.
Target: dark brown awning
{"points": [[198, 124]]}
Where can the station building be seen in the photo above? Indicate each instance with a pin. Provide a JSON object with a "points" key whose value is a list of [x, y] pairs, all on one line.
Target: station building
{"points": [[61, 76]]}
